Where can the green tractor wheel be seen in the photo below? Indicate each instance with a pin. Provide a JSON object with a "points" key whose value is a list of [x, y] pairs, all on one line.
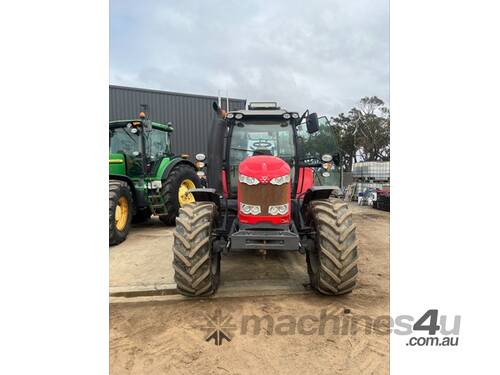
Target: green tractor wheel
{"points": [[121, 207], [174, 191]]}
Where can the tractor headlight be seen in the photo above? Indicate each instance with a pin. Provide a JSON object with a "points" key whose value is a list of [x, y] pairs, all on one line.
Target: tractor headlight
{"points": [[154, 184], [280, 209], [200, 157], [249, 209], [248, 180], [255, 210], [273, 210], [200, 174], [286, 116], [280, 180], [238, 116]]}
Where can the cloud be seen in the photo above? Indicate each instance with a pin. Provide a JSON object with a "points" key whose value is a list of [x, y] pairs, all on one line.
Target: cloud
{"points": [[321, 54]]}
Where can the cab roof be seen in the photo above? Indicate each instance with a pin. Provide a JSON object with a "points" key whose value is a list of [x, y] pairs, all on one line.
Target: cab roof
{"points": [[261, 112], [155, 125]]}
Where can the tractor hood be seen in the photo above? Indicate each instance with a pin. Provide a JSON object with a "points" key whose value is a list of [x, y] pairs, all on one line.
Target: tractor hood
{"points": [[117, 164], [264, 168], [264, 190]]}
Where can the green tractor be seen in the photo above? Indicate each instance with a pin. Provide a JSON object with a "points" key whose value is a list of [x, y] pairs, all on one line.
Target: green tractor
{"points": [[145, 177]]}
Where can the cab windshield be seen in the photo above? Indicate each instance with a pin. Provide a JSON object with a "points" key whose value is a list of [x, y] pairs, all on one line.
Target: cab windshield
{"points": [[262, 138], [259, 137], [122, 140]]}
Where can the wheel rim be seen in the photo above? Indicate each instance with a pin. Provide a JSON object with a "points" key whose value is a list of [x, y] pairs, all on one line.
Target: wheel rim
{"points": [[121, 213], [184, 196]]}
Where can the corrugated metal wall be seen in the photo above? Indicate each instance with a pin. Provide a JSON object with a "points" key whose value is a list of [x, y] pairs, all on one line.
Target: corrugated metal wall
{"points": [[190, 115]]}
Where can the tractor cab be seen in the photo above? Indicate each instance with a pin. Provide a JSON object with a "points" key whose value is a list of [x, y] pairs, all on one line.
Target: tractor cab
{"points": [[138, 146], [264, 129], [264, 132]]}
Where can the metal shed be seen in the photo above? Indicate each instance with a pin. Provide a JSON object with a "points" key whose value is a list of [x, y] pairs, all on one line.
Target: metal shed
{"points": [[190, 115]]}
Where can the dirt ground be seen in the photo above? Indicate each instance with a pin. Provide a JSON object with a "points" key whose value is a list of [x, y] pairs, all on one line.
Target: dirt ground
{"points": [[298, 332]]}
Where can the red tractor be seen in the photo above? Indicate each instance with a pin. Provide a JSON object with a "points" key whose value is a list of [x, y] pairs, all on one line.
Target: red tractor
{"points": [[260, 196]]}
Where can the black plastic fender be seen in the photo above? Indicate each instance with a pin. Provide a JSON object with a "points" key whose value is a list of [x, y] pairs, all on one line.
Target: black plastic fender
{"points": [[315, 193], [206, 195]]}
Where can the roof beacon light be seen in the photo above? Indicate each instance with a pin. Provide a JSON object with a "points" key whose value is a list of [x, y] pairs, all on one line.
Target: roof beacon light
{"points": [[263, 105], [142, 115]]}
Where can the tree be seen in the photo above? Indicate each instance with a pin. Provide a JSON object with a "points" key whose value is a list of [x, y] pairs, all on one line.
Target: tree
{"points": [[361, 135], [364, 133]]}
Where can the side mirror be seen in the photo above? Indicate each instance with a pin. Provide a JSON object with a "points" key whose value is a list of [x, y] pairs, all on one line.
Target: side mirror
{"points": [[220, 112], [312, 123]]}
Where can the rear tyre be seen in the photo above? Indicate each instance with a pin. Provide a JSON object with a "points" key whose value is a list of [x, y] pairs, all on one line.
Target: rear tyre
{"points": [[196, 266], [120, 211], [141, 216], [332, 265], [181, 178]]}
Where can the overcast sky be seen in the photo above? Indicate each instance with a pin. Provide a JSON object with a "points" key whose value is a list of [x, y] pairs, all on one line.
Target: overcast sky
{"points": [[317, 54]]}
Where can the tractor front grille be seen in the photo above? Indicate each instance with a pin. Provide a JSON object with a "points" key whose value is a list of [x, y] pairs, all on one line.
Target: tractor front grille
{"points": [[264, 195]]}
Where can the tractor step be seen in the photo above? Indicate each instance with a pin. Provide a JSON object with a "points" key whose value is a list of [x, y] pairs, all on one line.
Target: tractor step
{"points": [[157, 203]]}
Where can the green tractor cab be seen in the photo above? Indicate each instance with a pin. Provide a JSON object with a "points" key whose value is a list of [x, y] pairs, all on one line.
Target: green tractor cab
{"points": [[145, 177]]}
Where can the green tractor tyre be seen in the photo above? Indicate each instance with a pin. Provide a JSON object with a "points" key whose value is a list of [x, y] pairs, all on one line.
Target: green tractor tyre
{"points": [[175, 191], [121, 207]]}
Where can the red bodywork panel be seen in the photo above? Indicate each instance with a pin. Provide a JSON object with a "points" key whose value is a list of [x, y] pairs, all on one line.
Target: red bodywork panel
{"points": [[264, 168], [306, 181], [224, 184]]}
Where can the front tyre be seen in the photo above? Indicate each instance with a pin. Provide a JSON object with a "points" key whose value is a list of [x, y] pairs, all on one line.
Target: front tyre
{"points": [[332, 265], [174, 191], [120, 211], [196, 266]]}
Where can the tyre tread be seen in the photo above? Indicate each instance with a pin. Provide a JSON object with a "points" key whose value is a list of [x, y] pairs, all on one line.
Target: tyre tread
{"points": [[193, 255], [336, 253]]}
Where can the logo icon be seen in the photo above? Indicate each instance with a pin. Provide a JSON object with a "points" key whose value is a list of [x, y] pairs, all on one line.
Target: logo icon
{"points": [[218, 327]]}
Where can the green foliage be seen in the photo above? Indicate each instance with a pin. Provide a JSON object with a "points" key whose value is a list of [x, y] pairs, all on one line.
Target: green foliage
{"points": [[364, 133]]}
